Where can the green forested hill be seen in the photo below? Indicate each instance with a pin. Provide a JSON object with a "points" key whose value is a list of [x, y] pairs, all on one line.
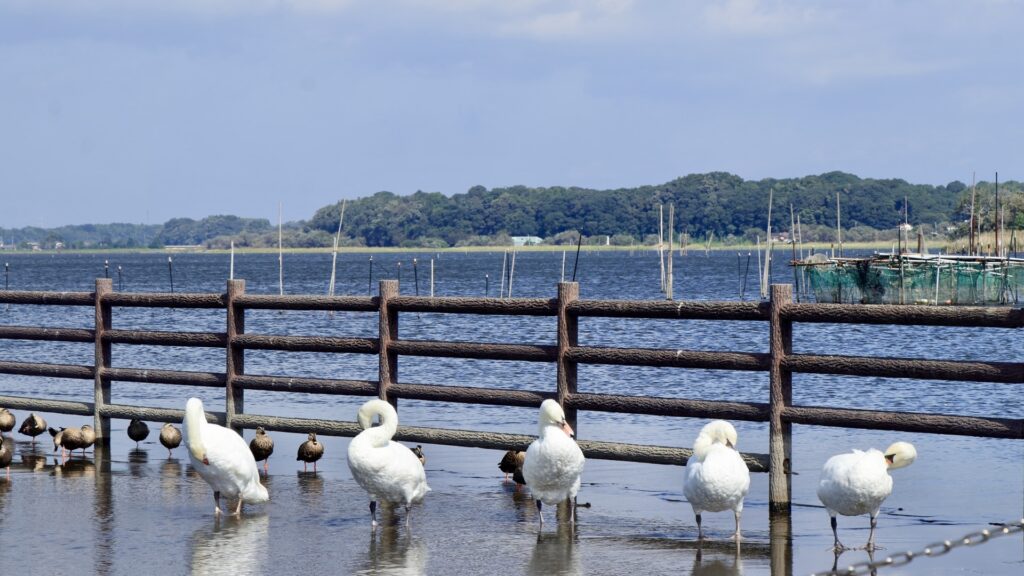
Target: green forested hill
{"points": [[720, 204]]}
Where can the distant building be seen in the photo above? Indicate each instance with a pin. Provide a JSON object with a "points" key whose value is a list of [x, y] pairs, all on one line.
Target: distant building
{"points": [[526, 240]]}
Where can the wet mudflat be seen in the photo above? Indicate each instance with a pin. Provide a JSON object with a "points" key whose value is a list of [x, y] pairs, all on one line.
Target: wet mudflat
{"points": [[134, 511]]}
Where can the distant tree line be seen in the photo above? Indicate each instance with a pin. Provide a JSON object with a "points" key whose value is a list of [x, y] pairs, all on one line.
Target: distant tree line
{"points": [[715, 205]]}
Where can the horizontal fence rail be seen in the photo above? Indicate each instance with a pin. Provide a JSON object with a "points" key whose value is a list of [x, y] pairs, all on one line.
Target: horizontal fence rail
{"points": [[780, 312]]}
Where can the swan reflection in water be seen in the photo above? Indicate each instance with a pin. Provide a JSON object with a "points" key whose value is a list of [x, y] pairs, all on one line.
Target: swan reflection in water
{"points": [[555, 552], [725, 560], [393, 549], [232, 545]]}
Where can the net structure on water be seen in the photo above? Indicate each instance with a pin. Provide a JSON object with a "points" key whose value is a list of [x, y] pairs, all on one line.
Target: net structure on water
{"points": [[916, 279]]}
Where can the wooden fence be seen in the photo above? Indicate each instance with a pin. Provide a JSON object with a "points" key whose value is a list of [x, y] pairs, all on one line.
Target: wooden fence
{"points": [[780, 312]]}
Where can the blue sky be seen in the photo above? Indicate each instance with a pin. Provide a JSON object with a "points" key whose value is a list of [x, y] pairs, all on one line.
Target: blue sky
{"points": [[125, 111]]}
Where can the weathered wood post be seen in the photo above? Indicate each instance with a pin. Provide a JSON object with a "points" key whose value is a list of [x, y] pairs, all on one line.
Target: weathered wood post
{"points": [[388, 360], [233, 396], [101, 383], [568, 333], [780, 395]]}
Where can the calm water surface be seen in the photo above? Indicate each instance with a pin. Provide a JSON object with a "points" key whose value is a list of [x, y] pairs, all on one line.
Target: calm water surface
{"points": [[114, 512]]}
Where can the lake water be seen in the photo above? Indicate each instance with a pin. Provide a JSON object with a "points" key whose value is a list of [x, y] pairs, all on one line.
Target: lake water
{"points": [[111, 512]]}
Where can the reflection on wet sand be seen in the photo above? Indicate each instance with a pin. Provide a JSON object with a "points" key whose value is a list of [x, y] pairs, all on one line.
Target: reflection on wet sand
{"points": [[555, 552], [396, 551], [717, 563], [311, 488], [232, 545], [75, 469]]}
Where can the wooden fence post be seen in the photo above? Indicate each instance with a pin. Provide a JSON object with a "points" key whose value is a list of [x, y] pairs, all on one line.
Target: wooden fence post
{"points": [[388, 361], [568, 334], [234, 396], [101, 383], [780, 395]]}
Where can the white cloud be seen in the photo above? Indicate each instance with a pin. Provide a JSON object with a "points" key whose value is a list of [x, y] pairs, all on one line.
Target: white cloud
{"points": [[758, 17]]}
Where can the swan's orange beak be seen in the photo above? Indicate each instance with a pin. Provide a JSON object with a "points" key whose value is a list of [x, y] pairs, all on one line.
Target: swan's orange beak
{"points": [[568, 429]]}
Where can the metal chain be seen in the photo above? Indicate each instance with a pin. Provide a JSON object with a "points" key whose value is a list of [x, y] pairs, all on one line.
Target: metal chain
{"points": [[932, 550]]}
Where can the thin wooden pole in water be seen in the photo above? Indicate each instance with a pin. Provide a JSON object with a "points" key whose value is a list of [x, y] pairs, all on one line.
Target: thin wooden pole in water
{"points": [[671, 236], [767, 246], [334, 254], [369, 280], [487, 285], [563, 266], [661, 244], [839, 227], [792, 243], [970, 248], [106, 268], [170, 272], [511, 271], [760, 280], [280, 250], [431, 277], [7, 274], [415, 276], [504, 265], [743, 290], [575, 265], [120, 279]]}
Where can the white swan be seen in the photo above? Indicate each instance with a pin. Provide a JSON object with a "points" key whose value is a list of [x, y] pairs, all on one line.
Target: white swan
{"points": [[553, 461], [386, 469], [222, 458], [717, 478], [858, 482]]}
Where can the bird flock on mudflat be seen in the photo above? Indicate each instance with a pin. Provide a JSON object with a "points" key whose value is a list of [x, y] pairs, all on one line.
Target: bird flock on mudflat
{"points": [[716, 478]]}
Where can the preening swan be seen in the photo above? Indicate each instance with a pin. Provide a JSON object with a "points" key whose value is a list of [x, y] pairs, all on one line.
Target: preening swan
{"points": [[717, 478], [222, 458], [386, 469], [553, 461], [858, 482]]}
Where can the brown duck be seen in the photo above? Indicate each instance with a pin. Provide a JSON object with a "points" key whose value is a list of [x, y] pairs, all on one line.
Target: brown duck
{"points": [[138, 431], [6, 420], [88, 437], [310, 451], [512, 463], [67, 440], [6, 454], [418, 451], [170, 437], [33, 426], [262, 446]]}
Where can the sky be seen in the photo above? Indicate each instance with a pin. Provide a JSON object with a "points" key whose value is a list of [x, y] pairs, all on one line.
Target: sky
{"points": [[138, 112]]}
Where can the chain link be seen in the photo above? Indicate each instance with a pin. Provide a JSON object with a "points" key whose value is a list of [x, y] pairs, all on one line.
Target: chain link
{"points": [[931, 550]]}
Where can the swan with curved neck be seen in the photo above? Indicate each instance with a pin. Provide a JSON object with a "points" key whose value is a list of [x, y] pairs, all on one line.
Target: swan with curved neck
{"points": [[222, 458], [858, 482], [717, 478], [554, 462], [384, 468]]}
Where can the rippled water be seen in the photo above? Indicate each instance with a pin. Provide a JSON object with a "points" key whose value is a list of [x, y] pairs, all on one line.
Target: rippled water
{"points": [[471, 522]]}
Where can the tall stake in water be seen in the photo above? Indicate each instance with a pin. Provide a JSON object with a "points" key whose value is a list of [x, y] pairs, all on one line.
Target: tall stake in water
{"points": [[334, 255], [563, 265], [671, 235], [970, 249], [487, 284], [579, 242], [839, 228], [106, 268], [280, 251], [170, 272], [661, 244], [369, 279], [511, 271], [768, 246], [431, 277], [792, 243], [760, 280], [120, 279], [415, 276], [504, 265], [7, 273]]}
